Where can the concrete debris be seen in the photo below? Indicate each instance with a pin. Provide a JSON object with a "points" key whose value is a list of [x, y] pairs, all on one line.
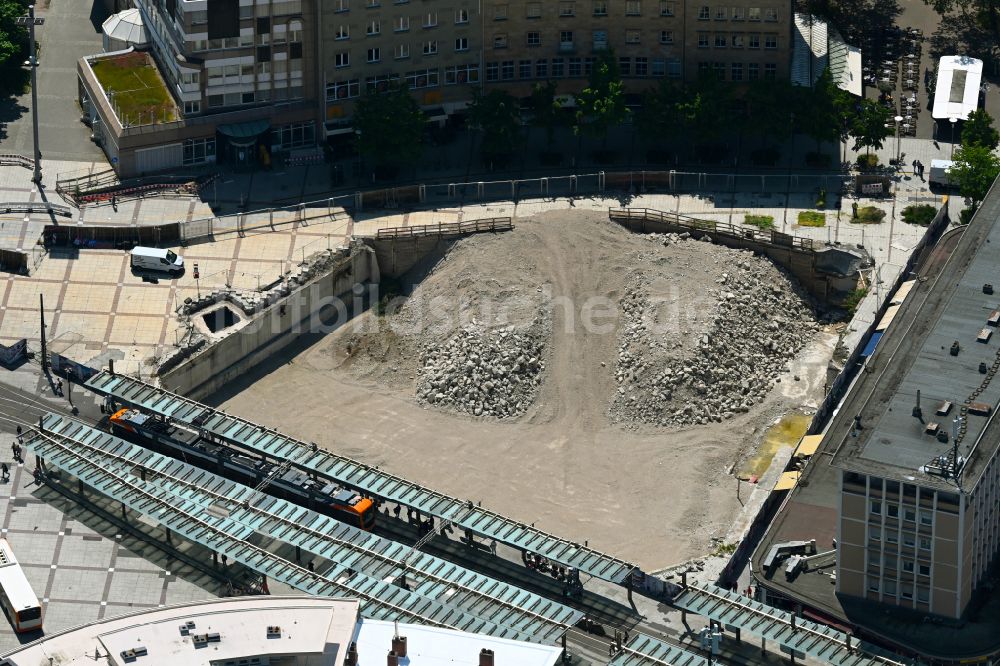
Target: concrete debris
{"points": [[483, 372], [760, 321]]}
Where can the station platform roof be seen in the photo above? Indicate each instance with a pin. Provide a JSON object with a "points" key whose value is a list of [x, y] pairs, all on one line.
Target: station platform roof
{"points": [[253, 528], [643, 650], [367, 479], [794, 635]]}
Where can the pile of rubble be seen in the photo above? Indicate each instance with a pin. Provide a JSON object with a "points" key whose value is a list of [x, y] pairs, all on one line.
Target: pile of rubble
{"points": [[483, 372], [760, 321]]}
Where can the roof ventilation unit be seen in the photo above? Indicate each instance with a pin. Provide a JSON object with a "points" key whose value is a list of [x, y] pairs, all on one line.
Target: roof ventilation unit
{"points": [[988, 288], [273, 631], [486, 657]]}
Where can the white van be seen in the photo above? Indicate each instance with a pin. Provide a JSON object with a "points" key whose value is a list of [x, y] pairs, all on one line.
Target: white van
{"points": [[156, 259]]}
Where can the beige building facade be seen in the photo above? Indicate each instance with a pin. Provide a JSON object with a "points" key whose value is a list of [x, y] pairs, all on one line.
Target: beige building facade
{"points": [[255, 77]]}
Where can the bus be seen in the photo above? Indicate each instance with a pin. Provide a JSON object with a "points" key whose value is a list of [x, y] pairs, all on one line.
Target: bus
{"points": [[16, 595]]}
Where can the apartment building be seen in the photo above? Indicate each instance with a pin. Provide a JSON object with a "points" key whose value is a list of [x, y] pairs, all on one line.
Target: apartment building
{"points": [[254, 77], [240, 80], [435, 48]]}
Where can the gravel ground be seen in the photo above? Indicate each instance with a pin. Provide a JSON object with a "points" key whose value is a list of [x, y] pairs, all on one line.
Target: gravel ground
{"points": [[556, 455]]}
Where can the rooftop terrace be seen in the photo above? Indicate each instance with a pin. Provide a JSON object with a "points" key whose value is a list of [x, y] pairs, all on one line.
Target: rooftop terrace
{"points": [[134, 88]]}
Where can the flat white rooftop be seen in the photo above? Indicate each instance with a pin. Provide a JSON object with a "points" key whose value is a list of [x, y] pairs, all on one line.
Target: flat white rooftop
{"points": [[956, 93], [319, 628], [433, 646]]}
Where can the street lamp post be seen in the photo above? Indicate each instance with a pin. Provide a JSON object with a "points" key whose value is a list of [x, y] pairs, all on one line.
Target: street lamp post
{"points": [[898, 120], [30, 21], [953, 122]]}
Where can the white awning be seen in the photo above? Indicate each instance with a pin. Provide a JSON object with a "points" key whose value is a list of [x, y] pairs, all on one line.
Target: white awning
{"points": [[956, 93]]}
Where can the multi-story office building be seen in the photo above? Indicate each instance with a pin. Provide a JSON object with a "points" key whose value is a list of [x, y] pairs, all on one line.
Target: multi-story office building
{"points": [[248, 77]]}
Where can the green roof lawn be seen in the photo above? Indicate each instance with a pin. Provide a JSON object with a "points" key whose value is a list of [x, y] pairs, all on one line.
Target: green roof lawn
{"points": [[135, 89]]}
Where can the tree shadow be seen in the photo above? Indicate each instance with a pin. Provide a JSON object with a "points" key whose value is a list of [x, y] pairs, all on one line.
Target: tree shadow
{"points": [[13, 83]]}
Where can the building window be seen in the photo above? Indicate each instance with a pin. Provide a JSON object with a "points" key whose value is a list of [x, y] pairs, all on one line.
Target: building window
{"points": [[892, 536], [461, 43], [923, 595], [874, 533], [873, 584], [461, 16], [422, 78], [754, 41], [374, 27], [341, 5], [500, 41], [342, 59], [736, 40], [380, 83], [703, 40], [720, 40], [566, 39], [372, 4], [343, 89], [500, 12], [666, 8], [925, 543], [737, 13], [430, 47], [909, 540], [533, 10], [401, 24], [524, 69], [906, 592], [431, 20], [875, 507], [507, 70], [199, 151], [753, 71], [721, 13], [703, 13], [924, 569], [736, 71], [719, 69], [192, 107], [492, 71], [343, 32], [908, 566], [632, 36], [890, 587], [574, 67], [600, 39], [889, 561], [625, 66], [294, 135], [892, 510], [753, 13], [541, 68], [674, 69], [567, 9], [770, 41], [401, 52], [633, 8], [460, 74], [909, 515], [642, 66], [558, 68], [926, 518], [666, 36], [534, 39], [600, 7], [770, 71], [374, 54], [770, 14]]}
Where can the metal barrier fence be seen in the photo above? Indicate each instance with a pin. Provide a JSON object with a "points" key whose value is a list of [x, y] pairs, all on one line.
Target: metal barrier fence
{"points": [[633, 217], [15, 159], [484, 225]]}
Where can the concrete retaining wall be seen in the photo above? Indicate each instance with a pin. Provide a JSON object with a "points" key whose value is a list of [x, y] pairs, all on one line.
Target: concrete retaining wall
{"points": [[798, 256], [274, 328]]}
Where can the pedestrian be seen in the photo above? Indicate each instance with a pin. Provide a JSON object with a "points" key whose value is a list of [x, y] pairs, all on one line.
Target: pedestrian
{"points": [[920, 166], [59, 389], [20, 435], [4, 472], [13, 449], [493, 546]]}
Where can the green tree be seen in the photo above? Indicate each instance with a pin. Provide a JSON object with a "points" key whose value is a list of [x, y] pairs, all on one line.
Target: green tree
{"points": [[13, 38], [978, 130], [708, 107], [497, 116], [971, 26], [601, 105], [871, 126], [974, 169], [546, 109], [829, 110], [389, 127], [660, 116]]}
